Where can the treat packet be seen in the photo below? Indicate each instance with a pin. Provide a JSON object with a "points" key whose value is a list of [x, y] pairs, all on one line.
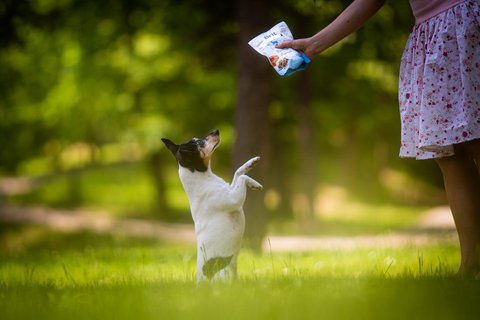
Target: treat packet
{"points": [[285, 61]]}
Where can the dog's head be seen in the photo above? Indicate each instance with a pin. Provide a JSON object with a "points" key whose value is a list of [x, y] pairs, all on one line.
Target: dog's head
{"points": [[196, 153]]}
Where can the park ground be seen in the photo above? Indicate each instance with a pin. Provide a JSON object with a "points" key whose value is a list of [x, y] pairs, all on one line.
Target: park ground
{"points": [[57, 263]]}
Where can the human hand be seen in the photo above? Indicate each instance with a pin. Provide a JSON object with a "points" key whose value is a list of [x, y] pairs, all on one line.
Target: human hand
{"points": [[302, 45]]}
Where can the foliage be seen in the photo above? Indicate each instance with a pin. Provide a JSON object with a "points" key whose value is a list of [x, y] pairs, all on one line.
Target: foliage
{"points": [[87, 82], [99, 73], [88, 88]]}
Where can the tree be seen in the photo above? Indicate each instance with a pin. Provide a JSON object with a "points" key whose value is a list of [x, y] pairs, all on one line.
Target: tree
{"points": [[308, 157], [252, 122]]}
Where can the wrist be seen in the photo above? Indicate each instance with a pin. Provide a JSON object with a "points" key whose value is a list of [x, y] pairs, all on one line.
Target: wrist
{"points": [[316, 45]]}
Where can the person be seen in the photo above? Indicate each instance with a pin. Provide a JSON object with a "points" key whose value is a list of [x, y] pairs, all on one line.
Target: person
{"points": [[439, 98]]}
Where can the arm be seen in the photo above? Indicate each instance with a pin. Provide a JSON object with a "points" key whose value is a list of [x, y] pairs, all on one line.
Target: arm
{"points": [[350, 20]]}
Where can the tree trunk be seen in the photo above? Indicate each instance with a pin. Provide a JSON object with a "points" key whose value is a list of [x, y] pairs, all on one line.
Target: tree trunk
{"points": [[156, 164], [307, 149], [251, 117], [351, 154]]}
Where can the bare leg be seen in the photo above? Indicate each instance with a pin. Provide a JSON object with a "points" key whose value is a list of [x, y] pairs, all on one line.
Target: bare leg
{"points": [[462, 184], [473, 149]]}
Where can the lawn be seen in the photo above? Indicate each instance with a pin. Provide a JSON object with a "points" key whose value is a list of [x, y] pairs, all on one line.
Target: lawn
{"points": [[46, 274], [52, 275]]}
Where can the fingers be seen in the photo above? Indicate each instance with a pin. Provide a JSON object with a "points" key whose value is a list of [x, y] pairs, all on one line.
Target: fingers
{"points": [[302, 45], [298, 44], [285, 45]]}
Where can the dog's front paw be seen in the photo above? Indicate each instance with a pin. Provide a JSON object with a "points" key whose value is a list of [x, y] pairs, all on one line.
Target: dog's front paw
{"points": [[251, 163], [254, 185]]}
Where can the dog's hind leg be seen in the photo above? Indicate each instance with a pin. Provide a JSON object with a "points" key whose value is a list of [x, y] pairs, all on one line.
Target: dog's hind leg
{"points": [[233, 268], [217, 265], [229, 272]]}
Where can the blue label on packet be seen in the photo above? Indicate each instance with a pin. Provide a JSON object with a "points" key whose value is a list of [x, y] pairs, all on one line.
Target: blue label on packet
{"points": [[297, 64]]}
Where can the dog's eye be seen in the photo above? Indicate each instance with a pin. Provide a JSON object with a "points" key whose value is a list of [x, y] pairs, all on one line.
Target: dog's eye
{"points": [[189, 148], [196, 143], [193, 146]]}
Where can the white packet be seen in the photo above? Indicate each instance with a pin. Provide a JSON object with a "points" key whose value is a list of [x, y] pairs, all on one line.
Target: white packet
{"points": [[285, 61]]}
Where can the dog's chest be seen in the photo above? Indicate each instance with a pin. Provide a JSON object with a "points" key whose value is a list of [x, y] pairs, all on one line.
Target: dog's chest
{"points": [[212, 211], [206, 196]]}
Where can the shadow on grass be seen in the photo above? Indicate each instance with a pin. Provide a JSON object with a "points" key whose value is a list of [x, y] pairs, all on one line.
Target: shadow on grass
{"points": [[32, 238]]}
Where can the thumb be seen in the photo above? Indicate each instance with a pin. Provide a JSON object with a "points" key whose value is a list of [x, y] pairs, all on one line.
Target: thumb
{"points": [[284, 45]]}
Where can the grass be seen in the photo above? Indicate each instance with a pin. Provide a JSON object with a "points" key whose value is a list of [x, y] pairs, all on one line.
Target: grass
{"points": [[84, 275], [53, 275], [123, 190], [355, 218]]}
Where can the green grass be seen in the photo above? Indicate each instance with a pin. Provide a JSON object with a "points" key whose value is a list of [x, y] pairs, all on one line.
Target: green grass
{"points": [[122, 190], [54, 275], [352, 219], [49, 275]]}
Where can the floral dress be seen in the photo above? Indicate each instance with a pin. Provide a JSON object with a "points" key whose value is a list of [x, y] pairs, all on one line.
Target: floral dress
{"points": [[439, 83]]}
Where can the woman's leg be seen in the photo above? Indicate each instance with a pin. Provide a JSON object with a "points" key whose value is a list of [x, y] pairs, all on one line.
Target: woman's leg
{"points": [[462, 184], [473, 149]]}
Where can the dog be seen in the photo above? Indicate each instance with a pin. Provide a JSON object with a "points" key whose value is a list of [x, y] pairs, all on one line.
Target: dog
{"points": [[216, 206]]}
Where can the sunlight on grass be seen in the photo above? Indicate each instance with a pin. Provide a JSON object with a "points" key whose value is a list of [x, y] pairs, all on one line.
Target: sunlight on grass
{"points": [[91, 276], [337, 213], [150, 265], [32, 255], [356, 216], [122, 190], [334, 203]]}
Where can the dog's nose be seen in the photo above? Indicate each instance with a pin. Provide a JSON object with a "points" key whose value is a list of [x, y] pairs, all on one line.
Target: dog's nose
{"points": [[216, 132]]}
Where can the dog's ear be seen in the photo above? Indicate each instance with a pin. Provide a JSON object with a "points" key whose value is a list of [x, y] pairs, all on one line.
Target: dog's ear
{"points": [[171, 146]]}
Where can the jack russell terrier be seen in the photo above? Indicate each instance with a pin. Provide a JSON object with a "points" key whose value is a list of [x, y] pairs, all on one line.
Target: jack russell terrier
{"points": [[216, 206]]}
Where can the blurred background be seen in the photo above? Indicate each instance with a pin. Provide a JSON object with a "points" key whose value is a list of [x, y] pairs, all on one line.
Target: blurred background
{"points": [[88, 88]]}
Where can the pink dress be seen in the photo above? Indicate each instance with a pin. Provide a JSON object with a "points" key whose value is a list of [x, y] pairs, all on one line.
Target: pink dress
{"points": [[439, 84]]}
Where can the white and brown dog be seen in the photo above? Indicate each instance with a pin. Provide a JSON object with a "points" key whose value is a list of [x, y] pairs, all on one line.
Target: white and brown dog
{"points": [[216, 206]]}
